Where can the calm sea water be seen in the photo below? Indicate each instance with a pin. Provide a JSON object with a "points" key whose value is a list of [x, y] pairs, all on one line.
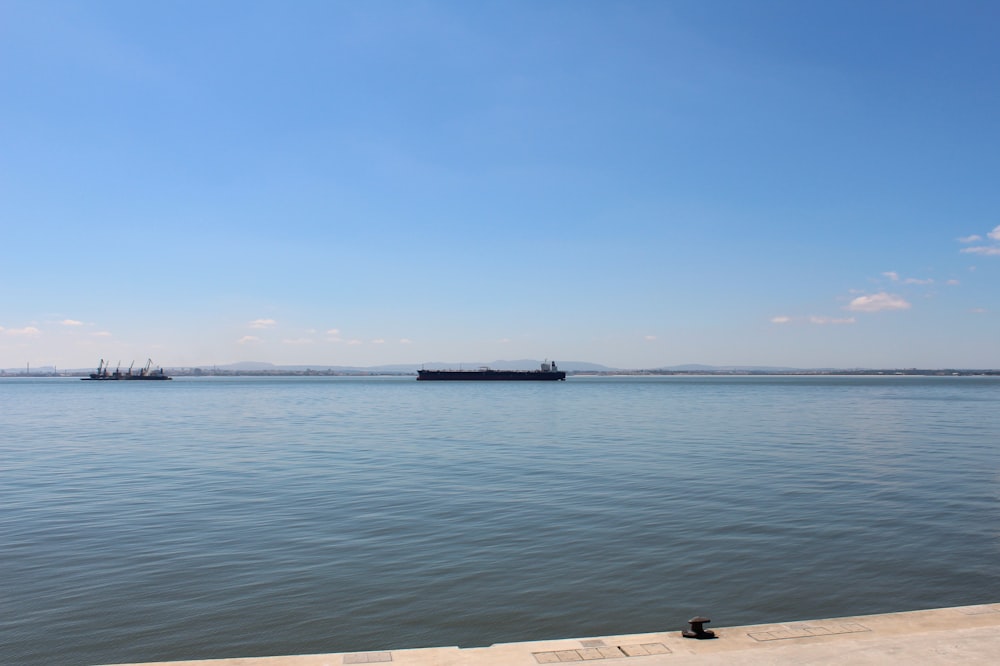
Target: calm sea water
{"points": [[209, 518]]}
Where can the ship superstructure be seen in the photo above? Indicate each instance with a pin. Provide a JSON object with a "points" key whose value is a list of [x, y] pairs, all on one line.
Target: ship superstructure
{"points": [[547, 372]]}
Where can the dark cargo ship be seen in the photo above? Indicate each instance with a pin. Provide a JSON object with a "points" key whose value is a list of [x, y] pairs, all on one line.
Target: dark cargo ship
{"points": [[548, 373], [147, 372]]}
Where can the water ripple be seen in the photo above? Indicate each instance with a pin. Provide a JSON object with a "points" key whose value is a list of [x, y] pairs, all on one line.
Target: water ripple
{"points": [[218, 518]]}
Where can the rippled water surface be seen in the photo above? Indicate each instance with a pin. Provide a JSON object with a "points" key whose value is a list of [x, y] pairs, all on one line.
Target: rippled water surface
{"points": [[209, 518]]}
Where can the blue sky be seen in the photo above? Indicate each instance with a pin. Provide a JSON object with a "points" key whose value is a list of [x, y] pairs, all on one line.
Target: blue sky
{"points": [[637, 184]]}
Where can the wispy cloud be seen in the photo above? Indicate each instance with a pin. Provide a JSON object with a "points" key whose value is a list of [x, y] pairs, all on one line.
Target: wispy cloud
{"points": [[862, 301], [649, 338], [26, 332], [978, 310], [990, 250], [262, 323], [355, 342], [894, 276], [297, 341], [823, 320], [819, 320], [953, 283], [378, 341], [333, 331], [405, 341], [102, 334], [248, 340], [987, 250], [878, 303], [71, 322]]}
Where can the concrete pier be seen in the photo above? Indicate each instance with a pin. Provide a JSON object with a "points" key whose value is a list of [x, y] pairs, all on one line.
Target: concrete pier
{"points": [[967, 635]]}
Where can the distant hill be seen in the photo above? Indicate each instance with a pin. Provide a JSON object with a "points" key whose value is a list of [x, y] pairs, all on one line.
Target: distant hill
{"points": [[249, 365], [695, 367], [265, 368], [520, 364], [500, 364]]}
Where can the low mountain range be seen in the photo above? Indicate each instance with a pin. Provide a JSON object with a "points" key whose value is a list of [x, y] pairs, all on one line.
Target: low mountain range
{"points": [[265, 368], [519, 364]]}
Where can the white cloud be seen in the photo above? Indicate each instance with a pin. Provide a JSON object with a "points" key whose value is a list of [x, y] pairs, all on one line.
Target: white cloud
{"points": [[102, 334], [650, 338], [953, 283], [262, 323], [988, 250], [26, 332], [355, 342], [819, 320], [894, 276], [297, 341], [378, 341], [333, 331], [71, 322], [504, 341], [248, 339], [878, 302], [405, 341], [822, 320]]}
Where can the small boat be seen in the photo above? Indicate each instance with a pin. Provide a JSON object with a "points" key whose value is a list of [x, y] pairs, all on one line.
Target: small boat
{"points": [[145, 373], [548, 372]]}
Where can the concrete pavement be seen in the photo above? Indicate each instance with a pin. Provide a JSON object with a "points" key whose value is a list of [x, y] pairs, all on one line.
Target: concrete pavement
{"points": [[969, 635]]}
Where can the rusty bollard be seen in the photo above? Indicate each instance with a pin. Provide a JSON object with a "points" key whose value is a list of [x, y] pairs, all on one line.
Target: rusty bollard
{"points": [[697, 629]]}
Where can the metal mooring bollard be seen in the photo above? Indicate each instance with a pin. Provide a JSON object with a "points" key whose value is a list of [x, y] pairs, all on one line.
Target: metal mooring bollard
{"points": [[697, 630]]}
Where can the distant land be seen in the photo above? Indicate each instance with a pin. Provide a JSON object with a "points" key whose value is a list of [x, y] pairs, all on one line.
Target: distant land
{"points": [[260, 368]]}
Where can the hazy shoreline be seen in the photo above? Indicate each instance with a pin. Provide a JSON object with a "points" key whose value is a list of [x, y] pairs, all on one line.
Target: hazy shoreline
{"points": [[279, 372]]}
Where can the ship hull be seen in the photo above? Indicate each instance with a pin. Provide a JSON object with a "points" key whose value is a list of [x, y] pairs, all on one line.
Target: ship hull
{"points": [[491, 375], [125, 378]]}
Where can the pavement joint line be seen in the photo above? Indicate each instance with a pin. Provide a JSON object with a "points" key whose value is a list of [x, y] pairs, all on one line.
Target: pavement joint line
{"points": [[368, 658], [807, 631], [593, 653], [967, 635], [979, 610]]}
